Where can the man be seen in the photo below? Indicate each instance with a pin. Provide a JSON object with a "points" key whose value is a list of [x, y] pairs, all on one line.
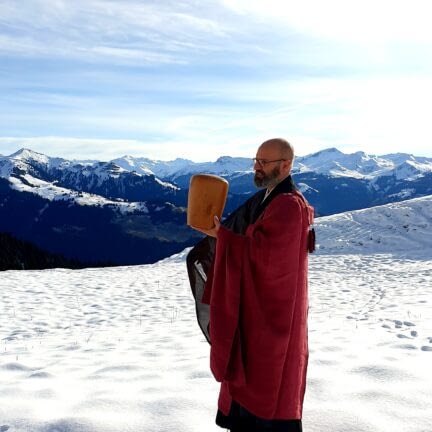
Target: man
{"points": [[254, 281]]}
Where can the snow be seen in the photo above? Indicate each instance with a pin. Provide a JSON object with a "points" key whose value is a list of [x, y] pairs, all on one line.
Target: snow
{"points": [[303, 187], [159, 168], [130, 163], [336, 163], [179, 167], [27, 154], [32, 157], [410, 170], [42, 188], [51, 192], [330, 162], [104, 171], [404, 227], [398, 158], [403, 194], [111, 349], [361, 165], [166, 184]]}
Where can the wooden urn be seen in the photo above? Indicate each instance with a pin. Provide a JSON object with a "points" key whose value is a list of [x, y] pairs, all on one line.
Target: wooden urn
{"points": [[207, 197]]}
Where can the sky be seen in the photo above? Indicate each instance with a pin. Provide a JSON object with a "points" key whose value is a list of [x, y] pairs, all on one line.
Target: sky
{"points": [[98, 79]]}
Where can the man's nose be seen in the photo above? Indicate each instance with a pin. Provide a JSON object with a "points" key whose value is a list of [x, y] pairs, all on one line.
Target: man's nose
{"points": [[256, 165]]}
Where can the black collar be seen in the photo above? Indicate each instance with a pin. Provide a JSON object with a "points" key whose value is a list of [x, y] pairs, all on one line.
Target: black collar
{"points": [[285, 186]]}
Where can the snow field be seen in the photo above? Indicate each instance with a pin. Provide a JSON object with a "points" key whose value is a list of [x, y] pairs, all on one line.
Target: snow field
{"points": [[119, 348], [370, 342], [102, 350]]}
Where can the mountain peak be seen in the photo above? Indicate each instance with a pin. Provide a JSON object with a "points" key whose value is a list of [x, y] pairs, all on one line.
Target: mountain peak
{"points": [[25, 153], [31, 157], [332, 151], [224, 159], [179, 159], [360, 154]]}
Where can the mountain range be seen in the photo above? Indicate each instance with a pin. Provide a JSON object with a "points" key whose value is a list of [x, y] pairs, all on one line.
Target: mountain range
{"points": [[132, 210]]}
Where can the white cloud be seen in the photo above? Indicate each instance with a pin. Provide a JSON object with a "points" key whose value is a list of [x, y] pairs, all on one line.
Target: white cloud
{"points": [[105, 149], [200, 80], [377, 116], [94, 30], [368, 20]]}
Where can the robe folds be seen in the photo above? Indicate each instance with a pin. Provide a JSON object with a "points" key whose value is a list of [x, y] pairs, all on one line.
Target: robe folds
{"points": [[256, 289]]}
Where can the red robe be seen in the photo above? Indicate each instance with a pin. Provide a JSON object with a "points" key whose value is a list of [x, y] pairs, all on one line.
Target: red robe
{"points": [[257, 291]]}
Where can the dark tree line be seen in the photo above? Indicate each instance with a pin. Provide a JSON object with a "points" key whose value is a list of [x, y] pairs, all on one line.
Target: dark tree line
{"points": [[16, 254]]}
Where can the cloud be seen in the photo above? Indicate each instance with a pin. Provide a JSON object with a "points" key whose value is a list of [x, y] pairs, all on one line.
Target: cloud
{"points": [[309, 37], [71, 148], [365, 21], [378, 116], [202, 79], [106, 149], [96, 30]]}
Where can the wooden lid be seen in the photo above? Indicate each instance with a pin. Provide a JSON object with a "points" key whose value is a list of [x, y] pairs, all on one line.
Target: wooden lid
{"points": [[207, 197]]}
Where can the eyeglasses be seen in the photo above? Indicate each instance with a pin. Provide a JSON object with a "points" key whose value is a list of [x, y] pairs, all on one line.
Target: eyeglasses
{"points": [[263, 162]]}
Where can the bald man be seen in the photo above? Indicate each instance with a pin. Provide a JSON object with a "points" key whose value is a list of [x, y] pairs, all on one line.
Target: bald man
{"points": [[249, 280]]}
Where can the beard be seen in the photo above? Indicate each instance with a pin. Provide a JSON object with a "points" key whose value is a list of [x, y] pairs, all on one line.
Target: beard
{"points": [[261, 179]]}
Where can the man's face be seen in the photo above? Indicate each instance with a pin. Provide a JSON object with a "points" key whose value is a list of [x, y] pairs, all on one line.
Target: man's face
{"points": [[267, 174], [265, 178]]}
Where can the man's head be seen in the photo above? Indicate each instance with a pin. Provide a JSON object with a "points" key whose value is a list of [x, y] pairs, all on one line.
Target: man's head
{"points": [[273, 162]]}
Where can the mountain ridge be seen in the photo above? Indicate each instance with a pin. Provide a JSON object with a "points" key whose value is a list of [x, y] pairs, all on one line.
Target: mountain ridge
{"points": [[326, 161], [132, 211]]}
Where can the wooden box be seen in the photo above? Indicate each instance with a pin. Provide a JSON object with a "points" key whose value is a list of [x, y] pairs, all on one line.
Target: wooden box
{"points": [[207, 197]]}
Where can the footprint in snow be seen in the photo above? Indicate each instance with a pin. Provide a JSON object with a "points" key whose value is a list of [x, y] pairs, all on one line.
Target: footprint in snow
{"points": [[397, 323], [408, 323]]}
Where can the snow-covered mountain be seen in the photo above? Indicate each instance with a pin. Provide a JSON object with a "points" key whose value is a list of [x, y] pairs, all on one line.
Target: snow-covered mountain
{"points": [[329, 162], [225, 165], [328, 177], [88, 183], [61, 202], [403, 227], [91, 211], [390, 177]]}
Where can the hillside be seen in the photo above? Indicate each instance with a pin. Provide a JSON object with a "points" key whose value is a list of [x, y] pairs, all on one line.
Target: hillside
{"points": [[403, 227]]}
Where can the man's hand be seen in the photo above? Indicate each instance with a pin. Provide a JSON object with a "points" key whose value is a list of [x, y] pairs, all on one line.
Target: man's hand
{"points": [[212, 232]]}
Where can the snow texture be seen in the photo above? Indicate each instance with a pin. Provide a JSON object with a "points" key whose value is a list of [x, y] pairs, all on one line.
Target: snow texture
{"points": [[404, 227], [118, 349], [52, 192]]}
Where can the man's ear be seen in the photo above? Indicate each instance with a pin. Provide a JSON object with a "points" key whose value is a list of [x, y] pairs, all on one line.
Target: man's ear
{"points": [[287, 166]]}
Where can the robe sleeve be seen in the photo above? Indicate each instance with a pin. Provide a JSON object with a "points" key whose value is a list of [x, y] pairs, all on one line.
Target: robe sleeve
{"points": [[225, 300]]}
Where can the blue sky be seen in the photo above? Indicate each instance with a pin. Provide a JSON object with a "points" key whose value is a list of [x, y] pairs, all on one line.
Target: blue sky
{"points": [[200, 79]]}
